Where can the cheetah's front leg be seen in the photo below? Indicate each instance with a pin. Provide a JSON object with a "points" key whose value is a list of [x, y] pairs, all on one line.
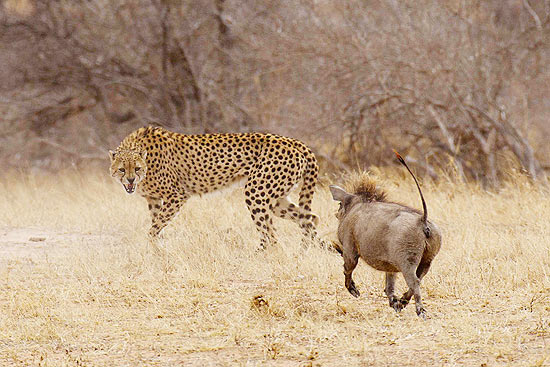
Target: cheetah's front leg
{"points": [[154, 205], [169, 208]]}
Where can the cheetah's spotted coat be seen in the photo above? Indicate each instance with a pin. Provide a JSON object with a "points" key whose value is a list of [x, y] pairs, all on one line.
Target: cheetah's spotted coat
{"points": [[167, 168]]}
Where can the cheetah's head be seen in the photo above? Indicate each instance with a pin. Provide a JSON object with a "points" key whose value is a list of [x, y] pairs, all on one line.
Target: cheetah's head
{"points": [[128, 167]]}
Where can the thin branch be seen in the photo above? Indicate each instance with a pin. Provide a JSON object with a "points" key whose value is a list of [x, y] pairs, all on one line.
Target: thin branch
{"points": [[446, 134], [533, 14], [64, 149]]}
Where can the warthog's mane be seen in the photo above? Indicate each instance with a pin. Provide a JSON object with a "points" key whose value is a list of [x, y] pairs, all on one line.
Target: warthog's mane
{"points": [[365, 187]]}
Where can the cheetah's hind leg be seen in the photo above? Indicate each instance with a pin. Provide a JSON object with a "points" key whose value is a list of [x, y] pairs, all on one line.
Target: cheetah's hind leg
{"points": [[260, 217], [286, 209]]}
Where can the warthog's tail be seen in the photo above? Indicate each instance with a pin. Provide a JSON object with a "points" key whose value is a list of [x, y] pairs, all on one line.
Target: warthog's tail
{"points": [[425, 209]]}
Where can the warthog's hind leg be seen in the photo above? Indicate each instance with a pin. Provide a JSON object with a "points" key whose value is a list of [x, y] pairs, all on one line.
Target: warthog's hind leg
{"points": [[412, 277], [422, 270], [390, 292]]}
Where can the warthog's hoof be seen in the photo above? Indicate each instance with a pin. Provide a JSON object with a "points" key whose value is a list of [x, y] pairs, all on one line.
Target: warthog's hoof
{"points": [[354, 292], [421, 312], [402, 303], [396, 304]]}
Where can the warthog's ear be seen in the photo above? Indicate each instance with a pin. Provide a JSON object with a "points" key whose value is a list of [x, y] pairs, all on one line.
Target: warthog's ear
{"points": [[338, 193], [112, 155]]}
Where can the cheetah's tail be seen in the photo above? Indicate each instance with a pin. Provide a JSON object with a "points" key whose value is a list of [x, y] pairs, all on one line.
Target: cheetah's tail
{"points": [[309, 180]]}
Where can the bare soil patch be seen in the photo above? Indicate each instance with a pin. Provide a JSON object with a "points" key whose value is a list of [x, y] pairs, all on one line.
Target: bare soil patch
{"points": [[38, 245]]}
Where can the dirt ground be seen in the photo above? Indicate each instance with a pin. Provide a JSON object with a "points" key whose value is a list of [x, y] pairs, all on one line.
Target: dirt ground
{"points": [[32, 245]]}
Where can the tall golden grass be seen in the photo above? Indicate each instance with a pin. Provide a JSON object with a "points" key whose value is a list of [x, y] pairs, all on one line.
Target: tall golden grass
{"points": [[95, 294]]}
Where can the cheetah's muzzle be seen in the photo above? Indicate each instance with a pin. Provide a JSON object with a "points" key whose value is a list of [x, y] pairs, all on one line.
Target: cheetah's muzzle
{"points": [[130, 188]]}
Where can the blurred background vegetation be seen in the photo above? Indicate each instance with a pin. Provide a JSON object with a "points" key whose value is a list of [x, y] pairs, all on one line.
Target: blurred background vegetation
{"points": [[458, 86]]}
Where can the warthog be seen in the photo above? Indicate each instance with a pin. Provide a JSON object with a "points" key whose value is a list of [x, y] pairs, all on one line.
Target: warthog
{"points": [[389, 237]]}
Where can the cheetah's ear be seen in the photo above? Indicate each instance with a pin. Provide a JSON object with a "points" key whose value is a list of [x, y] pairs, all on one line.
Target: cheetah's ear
{"points": [[143, 154], [112, 155]]}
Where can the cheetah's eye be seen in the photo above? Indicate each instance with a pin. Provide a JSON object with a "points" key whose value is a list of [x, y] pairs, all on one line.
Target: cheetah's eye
{"points": [[122, 170], [137, 168]]}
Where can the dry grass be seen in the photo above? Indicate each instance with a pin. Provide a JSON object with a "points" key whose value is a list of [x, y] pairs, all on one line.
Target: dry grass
{"points": [[94, 294]]}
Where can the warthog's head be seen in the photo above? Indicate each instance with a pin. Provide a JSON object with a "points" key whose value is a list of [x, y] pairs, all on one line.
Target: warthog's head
{"points": [[363, 190], [128, 167]]}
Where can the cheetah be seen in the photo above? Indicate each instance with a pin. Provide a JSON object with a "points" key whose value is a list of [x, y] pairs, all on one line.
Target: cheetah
{"points": [[167, 168]]}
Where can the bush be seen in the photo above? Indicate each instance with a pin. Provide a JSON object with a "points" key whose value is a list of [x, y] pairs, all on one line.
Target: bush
{"points": [[443, 81]]}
